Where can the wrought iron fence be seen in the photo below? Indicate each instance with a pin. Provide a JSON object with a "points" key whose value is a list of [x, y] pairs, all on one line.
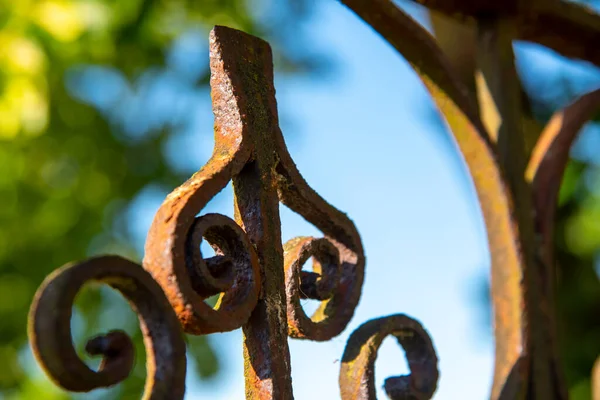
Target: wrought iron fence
{"points": [[261, 281]]}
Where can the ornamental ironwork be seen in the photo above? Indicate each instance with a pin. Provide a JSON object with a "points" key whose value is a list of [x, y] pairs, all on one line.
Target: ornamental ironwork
{"points": [[260, 281]]}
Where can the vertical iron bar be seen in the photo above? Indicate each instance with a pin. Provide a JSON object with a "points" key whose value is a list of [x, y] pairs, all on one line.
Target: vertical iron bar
{"points": [[248, 62], [266, 354], [539, 376]]}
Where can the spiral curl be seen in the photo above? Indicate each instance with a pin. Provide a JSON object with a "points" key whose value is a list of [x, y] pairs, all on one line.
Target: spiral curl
{"points": [[340, 260], [52, 345], [357, 374], [172, 253], [231, 271], [321, 284]]}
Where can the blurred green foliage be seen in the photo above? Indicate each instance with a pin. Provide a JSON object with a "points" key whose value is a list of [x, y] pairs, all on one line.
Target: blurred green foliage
{"points": [[81, 136], [578, 289]]}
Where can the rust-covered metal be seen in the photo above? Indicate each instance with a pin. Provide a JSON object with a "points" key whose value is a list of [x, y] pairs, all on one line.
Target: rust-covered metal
{"points": [[250, 151], [357, 372], [172, 252], [52, 345], [497, 76], [260, 282], [332, 281]]}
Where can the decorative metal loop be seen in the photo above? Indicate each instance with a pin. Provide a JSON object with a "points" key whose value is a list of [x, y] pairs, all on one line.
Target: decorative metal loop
{"points": [[217, 274], [357, 374], [236, 141], [317, 285], [50, 330], [321, 284], [345, 283], [168, 252], [231, 272]]}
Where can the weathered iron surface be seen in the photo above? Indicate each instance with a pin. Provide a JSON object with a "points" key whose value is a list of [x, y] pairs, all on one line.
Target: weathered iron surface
{"points": [[50, 330], [329, 282], [260, 282], [251, 152], [255, 292], [357, 373]]}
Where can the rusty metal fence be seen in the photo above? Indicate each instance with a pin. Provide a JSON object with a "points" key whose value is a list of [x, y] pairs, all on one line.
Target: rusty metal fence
{"points": [[261, 281]]}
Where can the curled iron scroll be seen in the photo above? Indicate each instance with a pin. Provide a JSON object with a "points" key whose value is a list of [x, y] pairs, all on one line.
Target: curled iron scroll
{"points": [[357, 373], [50, 330], [188, 279], [321, 284], [340, 261], [174, 261], [172, 248], [168, 244]]}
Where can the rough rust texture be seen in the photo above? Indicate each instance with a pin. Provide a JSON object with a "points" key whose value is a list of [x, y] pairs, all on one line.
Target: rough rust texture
{"points": [[50, 331], [251, 152], [247, 62], [248, 268], [357, 373], [272, 176], [337, 310], [172, 247], [321, 284]]}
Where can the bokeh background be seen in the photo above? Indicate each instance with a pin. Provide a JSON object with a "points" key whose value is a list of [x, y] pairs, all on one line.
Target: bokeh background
{"points": [[105, 108]]}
